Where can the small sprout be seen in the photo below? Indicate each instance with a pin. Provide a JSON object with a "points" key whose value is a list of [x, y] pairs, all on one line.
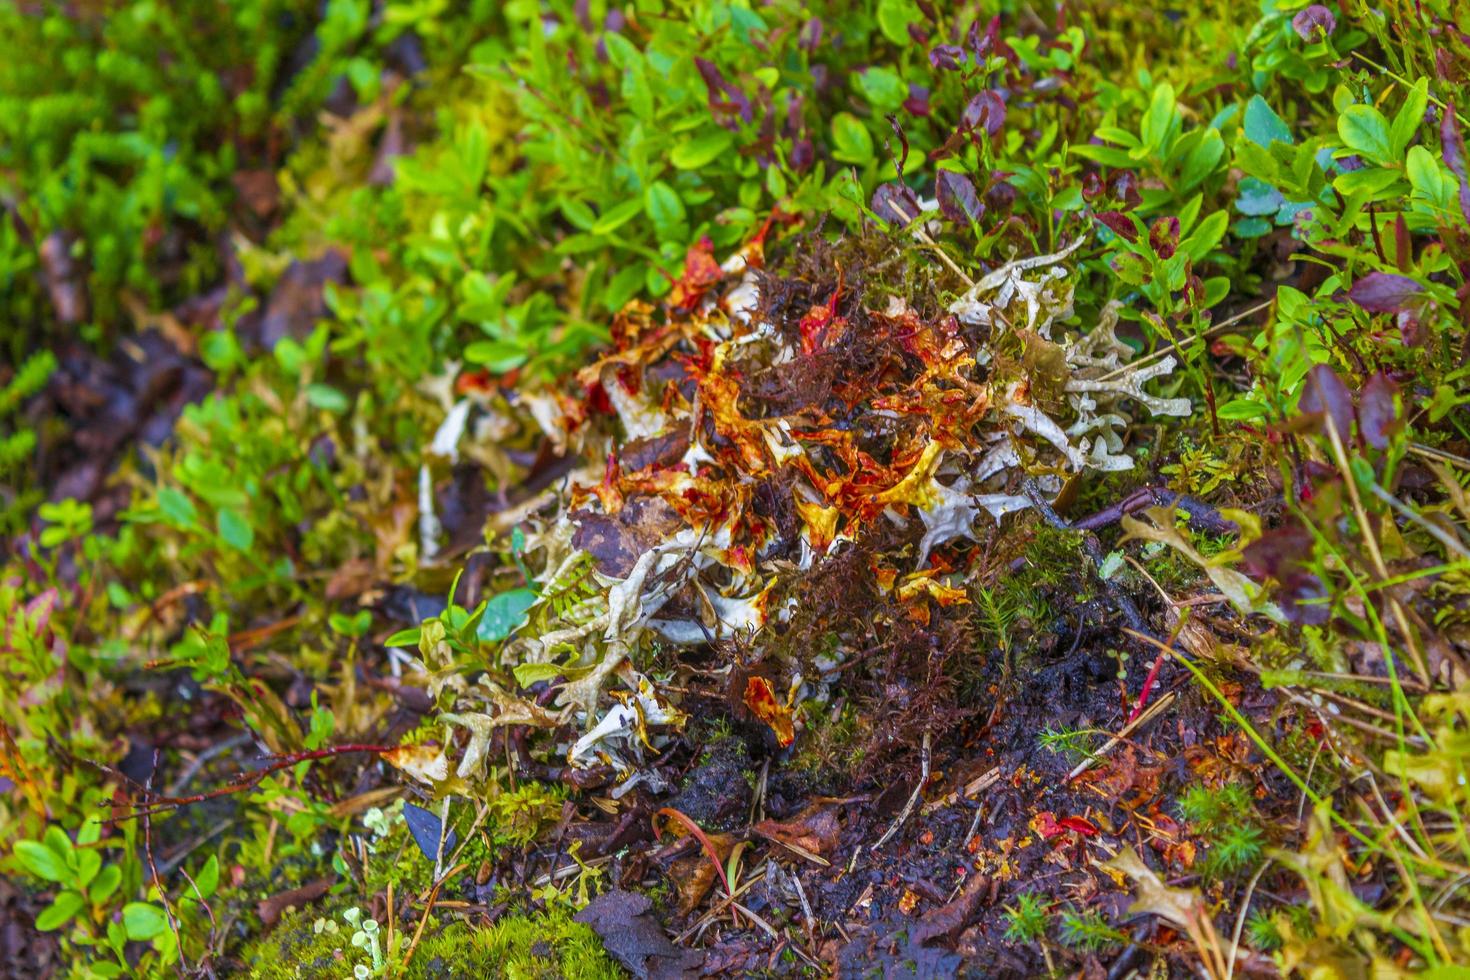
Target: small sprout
{"points": [[1026, 920]]}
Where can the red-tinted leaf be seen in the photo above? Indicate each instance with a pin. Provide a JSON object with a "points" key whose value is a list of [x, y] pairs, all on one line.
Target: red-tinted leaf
{"points": [[1384, 292], [1092, 186], [1453, 148], [1314, 23], [895, 203], [1163, 237], [1120, 224], [918, 100], [1276, 551], [947, 57], [1403, 245], [957, 198], [986, 111], [1323, 393], [1078, 825], [1378, 410]]}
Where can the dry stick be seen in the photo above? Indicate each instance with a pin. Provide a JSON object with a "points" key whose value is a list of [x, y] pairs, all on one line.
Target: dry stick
{"points": [[1250, 892], [923, 236], [168, 909], [913, 797], [1153, 711], [1165, 351], [246, 780]]}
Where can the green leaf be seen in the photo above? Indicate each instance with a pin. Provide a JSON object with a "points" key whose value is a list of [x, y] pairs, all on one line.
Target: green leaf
{"points": [[41, 861], [177, 509], [665, 209], [105, 884], [851, 141], [1262, 124], [1202, 160], [1408, 119], [894, 18], [405, 638], [1209, 233], [88, 863], [207, 880], [327, 398], [1159, 118], [235, 529], [496, 356], [620, 51], [883, 87], [1429, 178], [504, 613], [701, 150], [618, 216], [61, 911], [143, 921], [1364, 131]]}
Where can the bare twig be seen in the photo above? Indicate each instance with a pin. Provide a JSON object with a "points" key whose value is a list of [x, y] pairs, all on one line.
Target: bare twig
{"points": [[908, 807], [1133, 725]]}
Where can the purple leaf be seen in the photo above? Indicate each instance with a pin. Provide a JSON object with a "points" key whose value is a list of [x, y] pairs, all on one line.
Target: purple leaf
{"points": [[1275, 552], [426, 830], [1125, 189], [1000, 195], [985, 111], [733, 101], [811, 35], [1385, 292], [803, 154], [957, 198], [895, 203], [947, 57], [1453, 148], [1378, 410], [1323, 393], [918, 101], [1163, 237], [1314, 23]]}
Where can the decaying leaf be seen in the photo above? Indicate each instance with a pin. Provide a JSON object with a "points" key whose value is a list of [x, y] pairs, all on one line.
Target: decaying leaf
{"points": [[761, 699]]}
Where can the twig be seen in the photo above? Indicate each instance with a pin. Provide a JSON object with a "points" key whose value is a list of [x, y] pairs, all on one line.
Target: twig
{"points": [[1133, 725], [192, 769], [1250, 891], [1164, 351], [908, 807], [1201, 515], [168, 909], [151, 804]]}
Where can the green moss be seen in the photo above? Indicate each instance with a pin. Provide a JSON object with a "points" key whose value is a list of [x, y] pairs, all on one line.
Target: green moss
{"points": [[540, 947], [298, 948], [520, 947], [829, 749]]}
